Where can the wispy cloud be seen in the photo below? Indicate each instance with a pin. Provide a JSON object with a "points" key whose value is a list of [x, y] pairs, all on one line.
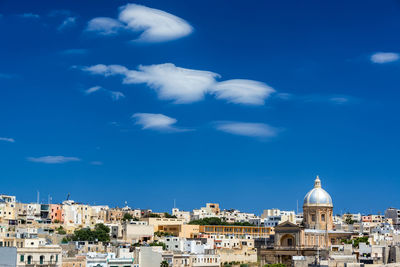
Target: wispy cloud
{"points": [[30, 16], [187, 85], [259, 130], [104, 26], [53, 159], [242, 91], [98, 163], [339, 100], [384, 57], [106, 70], [6, 139], [332, 99], [115, 95], [92, 90], [67, 23], [155, 25], [157, 122]]}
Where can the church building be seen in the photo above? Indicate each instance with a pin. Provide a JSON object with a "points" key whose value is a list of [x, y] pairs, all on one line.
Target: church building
{"points": [[313, 237]]}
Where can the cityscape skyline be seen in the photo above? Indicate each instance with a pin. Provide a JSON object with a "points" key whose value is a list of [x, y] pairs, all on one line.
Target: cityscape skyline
{"points": [[235, 103]]}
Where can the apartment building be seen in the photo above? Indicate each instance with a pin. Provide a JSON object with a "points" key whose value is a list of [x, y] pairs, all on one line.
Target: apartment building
{"points": [[237, 231], [39, 255], [136, 231]]}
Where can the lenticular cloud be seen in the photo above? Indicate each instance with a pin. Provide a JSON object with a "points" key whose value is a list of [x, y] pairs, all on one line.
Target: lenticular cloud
{"points": [[188, 85], [242, 91], [173, 83], [155, 25]]}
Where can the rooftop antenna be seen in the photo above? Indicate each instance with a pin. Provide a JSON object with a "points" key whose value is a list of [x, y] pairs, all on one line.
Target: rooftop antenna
{"points": [[297, 211], [174, 203], [37, 197]]}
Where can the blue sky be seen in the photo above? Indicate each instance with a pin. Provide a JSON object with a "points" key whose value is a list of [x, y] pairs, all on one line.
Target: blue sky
{"points": [[240, 103]]}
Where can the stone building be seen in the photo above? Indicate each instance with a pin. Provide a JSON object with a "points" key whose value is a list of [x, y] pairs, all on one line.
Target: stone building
{"points": [[312, 237]]}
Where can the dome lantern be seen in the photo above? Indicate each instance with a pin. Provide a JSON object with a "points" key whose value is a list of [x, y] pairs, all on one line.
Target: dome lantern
{"points": [[317, 196]]}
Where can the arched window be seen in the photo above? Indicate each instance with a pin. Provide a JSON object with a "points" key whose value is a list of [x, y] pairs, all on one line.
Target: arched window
{"points": [[41, 259], [287, 240], [29, 259]]}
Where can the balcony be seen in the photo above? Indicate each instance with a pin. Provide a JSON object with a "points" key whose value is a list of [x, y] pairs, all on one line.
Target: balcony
{"points": [[40, 263]]}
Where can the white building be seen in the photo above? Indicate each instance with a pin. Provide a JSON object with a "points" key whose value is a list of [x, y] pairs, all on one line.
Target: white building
{"points": [[35, 253]]}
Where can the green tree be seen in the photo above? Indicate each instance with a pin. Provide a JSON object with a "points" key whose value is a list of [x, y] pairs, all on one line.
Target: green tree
{"points": [[164, 264], [127, 217], [167, 215], [60, 230], [152, 215], [100, 233], [349, 219]]}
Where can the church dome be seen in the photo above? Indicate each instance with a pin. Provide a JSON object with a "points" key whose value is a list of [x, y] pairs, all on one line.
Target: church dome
{"points": [[317, 196]]}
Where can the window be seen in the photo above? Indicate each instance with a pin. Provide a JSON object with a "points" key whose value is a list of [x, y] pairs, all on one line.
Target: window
{"points": [[313, 217], [41, 259], [323, 217], [21, 258]]}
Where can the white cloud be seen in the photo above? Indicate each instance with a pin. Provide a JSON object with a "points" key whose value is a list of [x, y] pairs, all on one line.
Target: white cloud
{"points": [[155, 25], [68, 22], [115, 95], [53, 159], [339, 100], [106, 70], [243, 91], [6, 139], [260, 130], [30, 16], [104, 26], [173, 83], [384, 57], [330, 99], [187, 85], [98, 163], [92, 90], [158, 122]]}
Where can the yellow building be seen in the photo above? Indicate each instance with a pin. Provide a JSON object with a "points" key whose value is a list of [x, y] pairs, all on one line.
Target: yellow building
{"points": [[237, 231], [181, 230]]}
